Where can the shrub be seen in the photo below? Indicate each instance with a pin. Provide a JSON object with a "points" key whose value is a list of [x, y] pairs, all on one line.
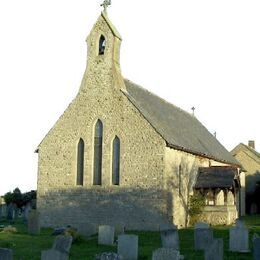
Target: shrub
{"points": [[196, 205]]}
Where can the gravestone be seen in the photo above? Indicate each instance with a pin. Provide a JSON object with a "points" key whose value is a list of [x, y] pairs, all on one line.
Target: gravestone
{"points": [[238, 238], [215, 250], [106, 235], [169, 236], [256, 248], [166, 254], [26, 211], [34, 223], [10, 211], [63, 244], [128, 247], [53, 254], [6, 254], [108, 256], [203, 236], [3, 211]]}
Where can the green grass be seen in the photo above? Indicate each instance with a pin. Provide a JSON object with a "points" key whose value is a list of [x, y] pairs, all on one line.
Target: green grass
{"points": [[28, 247]]}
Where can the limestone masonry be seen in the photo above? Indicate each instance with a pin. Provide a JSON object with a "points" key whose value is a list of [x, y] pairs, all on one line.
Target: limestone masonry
{"points": [[119, 155]]}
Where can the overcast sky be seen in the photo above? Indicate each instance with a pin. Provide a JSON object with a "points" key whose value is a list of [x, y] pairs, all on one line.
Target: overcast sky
{"points": [[204, 54]]}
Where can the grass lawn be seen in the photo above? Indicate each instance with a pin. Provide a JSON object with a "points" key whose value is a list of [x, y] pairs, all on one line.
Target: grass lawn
{"points": [[27, 247]]}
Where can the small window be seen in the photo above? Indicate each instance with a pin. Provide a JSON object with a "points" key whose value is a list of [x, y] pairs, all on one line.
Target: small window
{"points": [[116, 161], [102, 45], [180, 179], [97, 180], [80, 165]]}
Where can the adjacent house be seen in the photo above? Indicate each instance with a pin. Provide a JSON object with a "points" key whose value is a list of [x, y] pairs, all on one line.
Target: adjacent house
{"points": [[249, 158]]}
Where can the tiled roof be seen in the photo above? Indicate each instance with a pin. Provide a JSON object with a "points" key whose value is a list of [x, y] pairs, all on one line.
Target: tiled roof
{"points": [[216, 177], [180, 130]]}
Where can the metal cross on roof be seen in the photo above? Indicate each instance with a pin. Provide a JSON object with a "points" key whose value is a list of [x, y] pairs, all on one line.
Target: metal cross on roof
{"points": [[105, 4]]}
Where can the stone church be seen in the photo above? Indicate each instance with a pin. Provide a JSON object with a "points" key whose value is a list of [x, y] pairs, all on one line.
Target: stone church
{"points": [[121, 155]]}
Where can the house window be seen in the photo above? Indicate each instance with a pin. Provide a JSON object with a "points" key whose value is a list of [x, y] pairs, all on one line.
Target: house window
{"points": [[102, 45], [80, 162], [116, 161], [180, 179], [97, 179]]}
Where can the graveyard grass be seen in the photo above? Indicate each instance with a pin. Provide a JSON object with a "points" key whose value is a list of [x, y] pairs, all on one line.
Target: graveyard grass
{"points": [[27, 247]]}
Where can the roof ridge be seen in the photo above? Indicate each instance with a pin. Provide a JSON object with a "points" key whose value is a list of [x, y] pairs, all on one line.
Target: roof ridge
{"points": [[164, 100]]}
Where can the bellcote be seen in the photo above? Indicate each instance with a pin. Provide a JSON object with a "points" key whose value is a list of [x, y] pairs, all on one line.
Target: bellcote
{"points": [[104, 43]]}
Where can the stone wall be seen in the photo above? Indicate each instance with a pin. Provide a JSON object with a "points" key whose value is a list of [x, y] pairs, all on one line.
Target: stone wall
{"points": [[220, 215], [59, 200], [180, 175]]}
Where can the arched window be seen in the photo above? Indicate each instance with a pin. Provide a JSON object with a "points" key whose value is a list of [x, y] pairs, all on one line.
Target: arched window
{"points": [[98, 153], [116, 161], [80, 162], [102, 45]]}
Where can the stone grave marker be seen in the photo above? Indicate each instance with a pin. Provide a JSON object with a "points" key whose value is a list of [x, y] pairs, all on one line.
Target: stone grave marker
{"points": [[215, 250], [108, 256], [10, 211], [128, 247], [203, 236], [6, 254], [62, 244], [238, 238], [34, 223], [169, 236], [53, 254], [106, 235], [26, 211], [166, 254], [256, 248]]}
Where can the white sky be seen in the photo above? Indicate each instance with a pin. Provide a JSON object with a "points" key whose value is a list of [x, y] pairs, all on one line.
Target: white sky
{"points": [[204, 54]]}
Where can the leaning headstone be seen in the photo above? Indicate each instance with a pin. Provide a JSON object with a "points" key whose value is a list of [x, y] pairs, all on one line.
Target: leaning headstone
{"points": [[215, 250], [166, 254], [63, 244], [169, 236], [34, 223], [128, 247], [53, 254], [203, 236], [106, 235], [238, 238], [256, 248], [6, 254], [108, 256]]}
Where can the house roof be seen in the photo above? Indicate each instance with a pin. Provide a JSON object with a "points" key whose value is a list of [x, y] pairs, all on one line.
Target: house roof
{"points": [[180, 130], [247, 149], [217, 177]]}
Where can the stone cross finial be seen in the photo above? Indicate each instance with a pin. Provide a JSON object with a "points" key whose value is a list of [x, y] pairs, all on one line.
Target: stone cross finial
{"points": [[105, 4]]}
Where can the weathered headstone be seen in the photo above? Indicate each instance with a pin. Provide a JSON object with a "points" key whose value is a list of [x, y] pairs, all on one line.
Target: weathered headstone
{"points": [[3, 211], [63, 244], [6, 254], [10, 211], [166, 254], [26, 211], [128, 247], [108, 256], [238, 238], [53, 254], [203, 236], [256, 248], [106, 235], [215, 250], [34, 223], [169, 236]]}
